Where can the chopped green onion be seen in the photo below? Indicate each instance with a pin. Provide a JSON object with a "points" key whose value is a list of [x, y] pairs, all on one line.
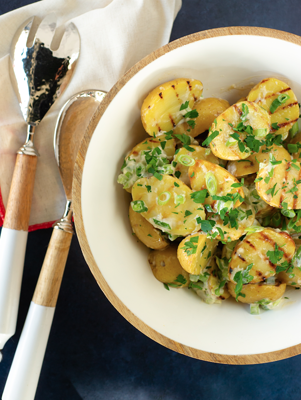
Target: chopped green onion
{"points": [[207, 152], [294, 130], [254, 309], [139, 206], [164, 198], [180, 199], [288, 213], [167, 169], [271, 280], [281, 99], [253, 229], [186, 160], [260, 132], [231, 142], [211, 183]]}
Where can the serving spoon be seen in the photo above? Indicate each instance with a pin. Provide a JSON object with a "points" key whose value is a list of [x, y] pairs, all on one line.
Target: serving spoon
{"points": [[27, 363]]}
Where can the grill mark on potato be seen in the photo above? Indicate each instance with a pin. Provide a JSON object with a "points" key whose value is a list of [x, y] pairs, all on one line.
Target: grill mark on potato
{"points": [[250, 244], [282, 124], [173, 86], [190, 87], [161, 95], [287, 106], [276, 94], [194, 97], [172, 121], [241, 257], [237, 109], [285, 90]]}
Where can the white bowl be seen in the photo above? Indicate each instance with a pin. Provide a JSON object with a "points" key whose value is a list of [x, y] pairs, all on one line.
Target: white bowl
{"points": [[229, 62]]}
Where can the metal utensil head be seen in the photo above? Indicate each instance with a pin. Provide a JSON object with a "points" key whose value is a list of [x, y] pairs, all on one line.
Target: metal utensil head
{"points": [[42, 73], [71, 125]]}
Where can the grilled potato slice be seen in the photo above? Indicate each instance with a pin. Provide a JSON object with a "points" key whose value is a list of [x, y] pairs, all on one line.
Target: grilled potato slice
{"points": [[280, 185], [208, 109], [195, 251], [233, 233], [251, 164], [286, 114], [204, 174], [167, 205], [135, 163], [256, 117], [160, 110], [145, 231], [184, 158], [253, 250], [166, 267], [259, 291], [209, 287]]}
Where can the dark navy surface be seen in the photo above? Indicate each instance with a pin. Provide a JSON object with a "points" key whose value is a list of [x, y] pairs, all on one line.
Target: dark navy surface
{"points": [[93, 352]]}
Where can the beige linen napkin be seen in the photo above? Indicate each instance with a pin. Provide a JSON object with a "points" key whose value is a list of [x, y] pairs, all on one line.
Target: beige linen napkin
{"points": [[115, 34]]}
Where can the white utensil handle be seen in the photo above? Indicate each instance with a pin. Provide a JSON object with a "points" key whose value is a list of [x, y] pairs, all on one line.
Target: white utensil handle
{"points": [[12, 254], [25, 371]]}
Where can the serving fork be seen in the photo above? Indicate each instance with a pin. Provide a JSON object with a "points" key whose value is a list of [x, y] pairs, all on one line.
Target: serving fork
{"points": [[41, 75]]}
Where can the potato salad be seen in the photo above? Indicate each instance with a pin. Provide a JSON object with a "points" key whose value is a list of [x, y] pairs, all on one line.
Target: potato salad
{"points": [[216, 192]]}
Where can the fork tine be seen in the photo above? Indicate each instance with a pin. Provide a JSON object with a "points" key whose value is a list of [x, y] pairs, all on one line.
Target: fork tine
{"points": [[70, 43], [20, 39], [46, 29]]}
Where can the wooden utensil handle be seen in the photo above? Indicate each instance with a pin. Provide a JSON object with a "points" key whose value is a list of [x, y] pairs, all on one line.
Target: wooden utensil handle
{"points": [[49, 282], [20, 195]]}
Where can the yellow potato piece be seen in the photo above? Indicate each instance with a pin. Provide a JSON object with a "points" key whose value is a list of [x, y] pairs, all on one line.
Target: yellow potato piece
{"points": [[199, 153], [259, 291], [284, 186], [160, 110], [268, 90], [145, 231], [253, 250], [135, 160], [251, 164], [166, 267], [224, 180], [178, 216], [257, 118], [195, 251], [231, 233], [208, 109]]}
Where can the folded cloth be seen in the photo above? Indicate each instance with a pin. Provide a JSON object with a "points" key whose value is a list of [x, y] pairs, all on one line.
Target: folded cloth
{"points": [[115, 34]]}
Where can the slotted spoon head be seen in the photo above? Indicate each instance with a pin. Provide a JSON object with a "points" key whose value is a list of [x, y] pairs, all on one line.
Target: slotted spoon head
{"points": [[41, 74]]}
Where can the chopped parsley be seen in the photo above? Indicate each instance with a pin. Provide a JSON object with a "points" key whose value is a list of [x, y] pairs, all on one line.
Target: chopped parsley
{"points": [[241, 278]]}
